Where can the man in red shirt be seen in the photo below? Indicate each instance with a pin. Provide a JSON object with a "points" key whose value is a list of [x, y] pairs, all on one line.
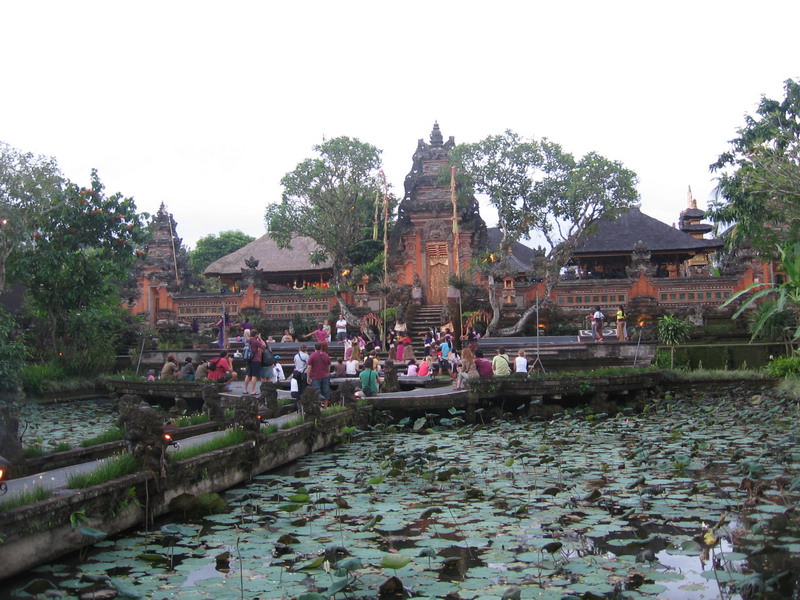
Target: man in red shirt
{"points": [[319, 372], [484, 365], [220, 370]]}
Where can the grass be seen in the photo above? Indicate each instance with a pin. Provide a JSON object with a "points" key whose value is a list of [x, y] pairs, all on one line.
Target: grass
{"points": [[37, 494], [113, 468], [189, 420], [230, 437], [293, 423], [113, 434], [34, 451], [269, 429], [333, 410], [62, 447]]}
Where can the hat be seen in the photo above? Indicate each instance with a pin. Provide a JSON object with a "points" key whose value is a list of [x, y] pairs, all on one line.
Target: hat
{"points": [[188, 359]]}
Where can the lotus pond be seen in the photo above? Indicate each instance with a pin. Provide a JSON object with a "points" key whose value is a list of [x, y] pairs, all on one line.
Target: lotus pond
{"points": [[694, 498]]}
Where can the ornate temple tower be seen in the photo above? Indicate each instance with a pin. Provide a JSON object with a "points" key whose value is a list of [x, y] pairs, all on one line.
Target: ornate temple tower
{"points": [[435, 236]]}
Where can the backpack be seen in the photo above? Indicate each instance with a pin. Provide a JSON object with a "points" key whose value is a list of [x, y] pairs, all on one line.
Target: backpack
{"points": [[267, 358], [248, 352], [212, 365]]}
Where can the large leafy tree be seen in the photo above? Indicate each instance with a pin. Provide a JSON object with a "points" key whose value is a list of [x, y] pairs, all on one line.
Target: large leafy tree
{"points": [[541, 192], [29, 188], [759, 175], [81, 251], [213, 247], [331, 199]]}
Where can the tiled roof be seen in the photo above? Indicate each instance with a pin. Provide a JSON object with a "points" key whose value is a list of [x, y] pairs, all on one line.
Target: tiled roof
{"points": [[271, 258], [620, 235]]}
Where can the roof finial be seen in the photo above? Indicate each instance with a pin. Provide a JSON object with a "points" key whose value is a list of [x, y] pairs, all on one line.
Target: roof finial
{"points": [[436, 135], [692, 203]]}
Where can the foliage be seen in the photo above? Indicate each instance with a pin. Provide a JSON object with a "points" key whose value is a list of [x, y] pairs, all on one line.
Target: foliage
{"points": [[80, 252], [759, 176], [29, 189], [231, 437], [331, 199], [213, 247], [31, 496], [541, 191], [113, 434], [113, 468], [12, 353], [785, 366], [671, 331], [36, 376], [785, 294]]}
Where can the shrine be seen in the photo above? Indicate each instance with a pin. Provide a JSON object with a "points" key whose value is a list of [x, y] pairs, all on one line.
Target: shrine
{"points": [[633, 259]]}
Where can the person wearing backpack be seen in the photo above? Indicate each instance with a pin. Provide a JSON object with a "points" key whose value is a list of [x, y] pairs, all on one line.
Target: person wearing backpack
{"points": [[252, 353], [220, 369], [267, 363]]}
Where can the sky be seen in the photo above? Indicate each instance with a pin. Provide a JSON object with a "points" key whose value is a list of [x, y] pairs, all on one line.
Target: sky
{"points": [[204, 106]]}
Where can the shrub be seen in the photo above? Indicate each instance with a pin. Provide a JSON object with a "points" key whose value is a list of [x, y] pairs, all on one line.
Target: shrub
{"points": [[35, 377], [784, 366]]}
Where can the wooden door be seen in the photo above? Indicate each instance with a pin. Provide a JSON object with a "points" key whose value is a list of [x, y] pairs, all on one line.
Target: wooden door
{"points": [[438, 268]]}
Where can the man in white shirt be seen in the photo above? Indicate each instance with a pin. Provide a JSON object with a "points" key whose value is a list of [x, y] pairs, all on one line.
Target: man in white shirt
{"points": [[300, 366], [341, 329]]}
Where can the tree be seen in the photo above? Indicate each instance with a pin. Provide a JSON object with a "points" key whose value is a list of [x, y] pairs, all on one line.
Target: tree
{"points": [[81, 251], [330, 198], [29, 188], [782, 296], [758, 191], [540, 191], [213, 247], [672, 330]]}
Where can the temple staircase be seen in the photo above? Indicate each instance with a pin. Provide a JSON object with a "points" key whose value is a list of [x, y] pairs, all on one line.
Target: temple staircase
{"points": [[425, 317]]}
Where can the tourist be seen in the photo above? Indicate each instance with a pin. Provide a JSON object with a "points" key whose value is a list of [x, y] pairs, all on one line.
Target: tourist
{"points": [[201, 372], [327, 327], [412, 369], [341, 329], [286, 338], [319, 372], [622, 327], [427, 342], [220, 369], [151, 375], [268, 360], [320, 334], [187, 370], [369, 379], [597, 324], [444, 349], [483, 365], [501, 365], [300, 366], [252, 378], [351, 367], [339, 368], [277, 370], [170, 368], [521, 363], [426, 367]]}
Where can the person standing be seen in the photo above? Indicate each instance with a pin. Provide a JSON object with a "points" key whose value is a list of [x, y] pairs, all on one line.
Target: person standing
{"points": [[319, 372], [341, 329], [622, 328], [597, 324], [501, 366], [252, 378], [300, 367]]}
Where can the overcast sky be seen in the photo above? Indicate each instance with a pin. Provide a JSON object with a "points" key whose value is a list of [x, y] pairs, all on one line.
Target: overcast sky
{"points": [[205, 106]]}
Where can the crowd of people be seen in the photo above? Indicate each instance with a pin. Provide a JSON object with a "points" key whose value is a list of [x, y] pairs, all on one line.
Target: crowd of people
{"points": [[436, 353]]}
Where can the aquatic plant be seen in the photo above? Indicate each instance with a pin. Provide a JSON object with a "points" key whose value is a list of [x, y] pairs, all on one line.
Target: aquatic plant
{"points": [[229, 437], [108, 470]]}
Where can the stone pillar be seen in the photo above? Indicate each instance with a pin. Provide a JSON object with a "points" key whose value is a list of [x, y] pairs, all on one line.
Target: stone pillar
{"points": [[390, 383], [211, 403], [310, 403], [347, 394], [143, 433], [245, 413], [268, 401]]}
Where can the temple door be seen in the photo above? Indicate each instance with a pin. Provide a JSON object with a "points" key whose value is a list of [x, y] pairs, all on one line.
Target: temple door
{"points": [[438, 271]]}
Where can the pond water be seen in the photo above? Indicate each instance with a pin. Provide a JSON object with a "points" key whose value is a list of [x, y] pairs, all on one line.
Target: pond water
{"points": [[69, 423], [694, 498]]}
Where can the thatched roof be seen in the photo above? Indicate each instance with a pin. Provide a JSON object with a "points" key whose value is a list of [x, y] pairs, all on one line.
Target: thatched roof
{"points": [[270, 257], [620, 235], [521, 259]]}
